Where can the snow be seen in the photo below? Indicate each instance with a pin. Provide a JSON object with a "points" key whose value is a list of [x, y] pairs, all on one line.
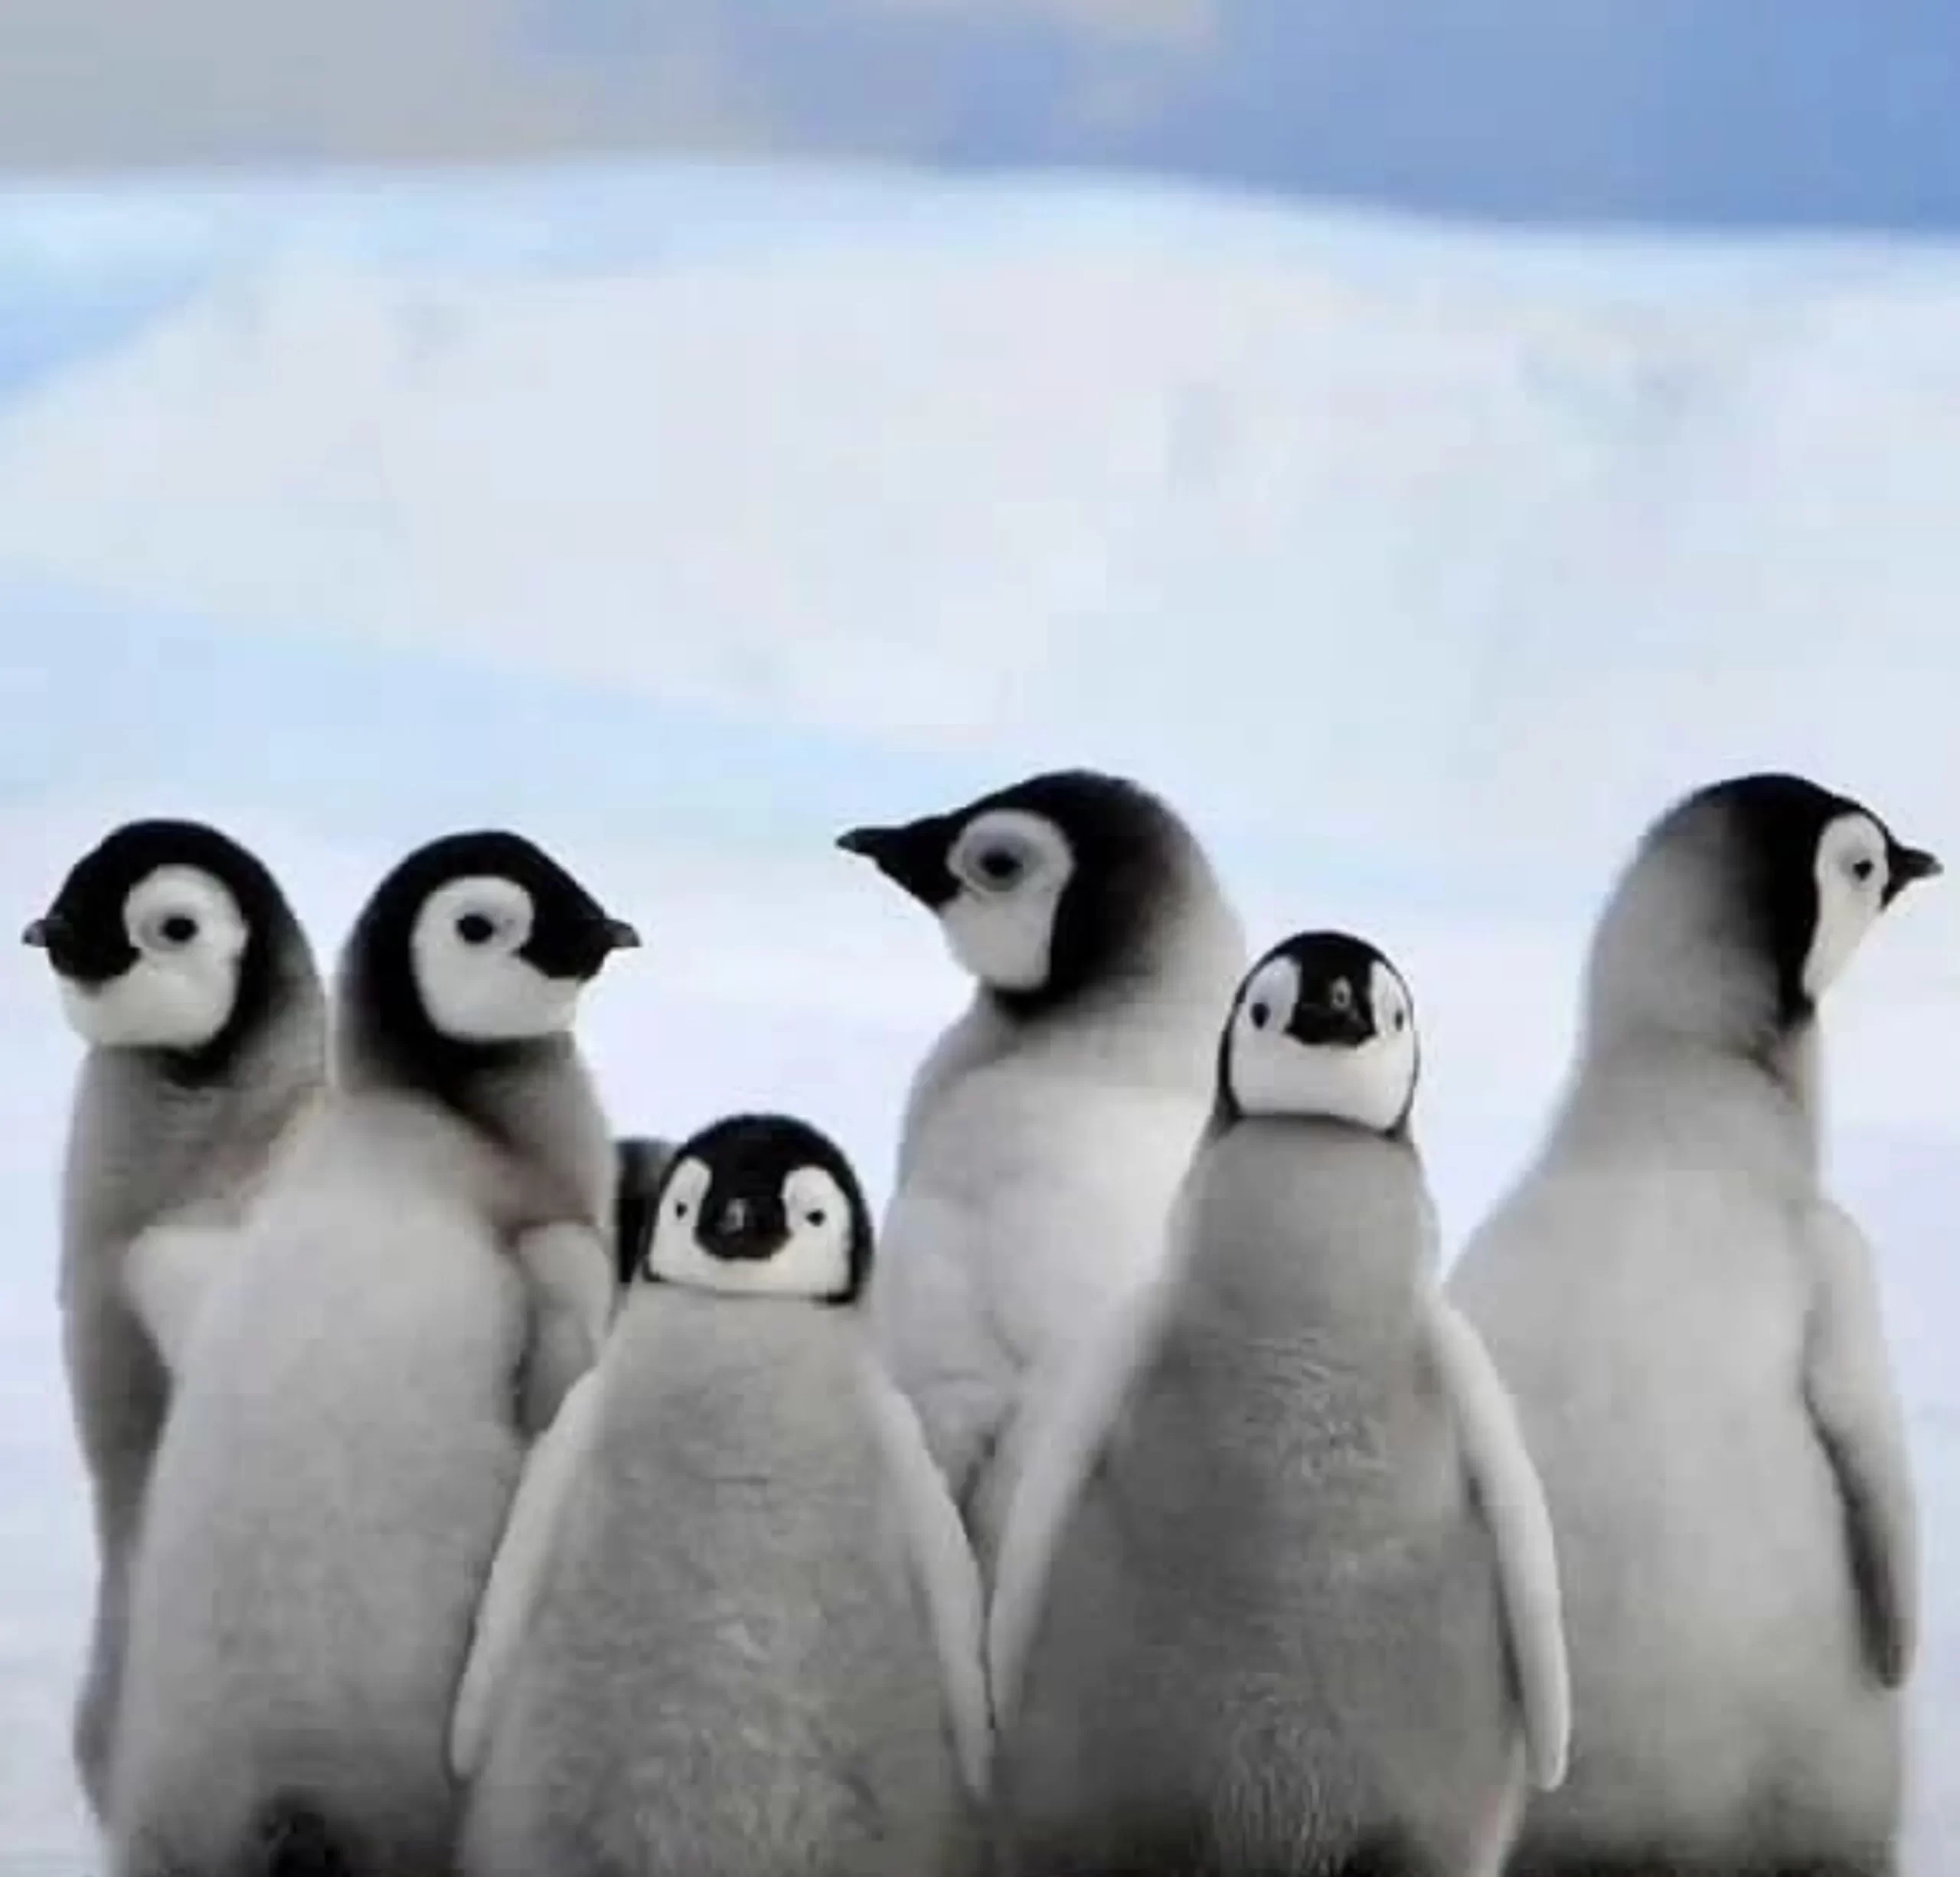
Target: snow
{"points": [[683, 518]]}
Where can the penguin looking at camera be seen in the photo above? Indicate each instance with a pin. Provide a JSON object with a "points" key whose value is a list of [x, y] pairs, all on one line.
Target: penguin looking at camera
{"points": [[1691, 1328], [350, 1420], [1278, 1591], [183, 970], [1047, 1129], [732, 1552]]}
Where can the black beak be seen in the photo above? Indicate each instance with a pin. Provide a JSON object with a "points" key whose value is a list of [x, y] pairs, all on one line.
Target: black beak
{"points": [[1911, 864], [744, 1230], [1323, 1024], [620, 936], [911, 855], [41, 933]]}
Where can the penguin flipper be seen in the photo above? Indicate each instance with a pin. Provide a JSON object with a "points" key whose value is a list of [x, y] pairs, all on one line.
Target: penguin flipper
{"points": [[1512, 1498], [1854, 1405], [945, 1570], [568, 1272], [168, 1274], [517, 1572], [1061, 1453]]}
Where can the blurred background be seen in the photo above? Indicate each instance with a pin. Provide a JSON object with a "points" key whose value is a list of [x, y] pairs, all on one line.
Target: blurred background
{"points": [[1421, 438]]}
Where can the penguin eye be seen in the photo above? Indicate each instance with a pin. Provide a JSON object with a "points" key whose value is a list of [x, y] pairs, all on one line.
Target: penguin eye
{"points": [[815, 1215], [680, 1208], [1261, 1013], [1002, 866], [178, 929], [475, 929], [1862, 868]]}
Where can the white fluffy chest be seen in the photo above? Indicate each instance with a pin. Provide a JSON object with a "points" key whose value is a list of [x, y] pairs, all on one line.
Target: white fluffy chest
{"points": [[1051, 1193]]}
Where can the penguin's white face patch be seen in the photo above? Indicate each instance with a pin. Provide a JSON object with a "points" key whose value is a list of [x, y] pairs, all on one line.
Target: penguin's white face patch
{"points": [[1852, 874], [473, 983], [806, 1252], [1369, 1081], [1012, 868], [189, 935]]}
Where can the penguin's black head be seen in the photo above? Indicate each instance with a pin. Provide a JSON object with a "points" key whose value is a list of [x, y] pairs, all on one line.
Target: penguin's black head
{"points": [[762, 1205], [1322, 1027], [1802, 875], [473, 944], [168, 936], [1044, 889]]}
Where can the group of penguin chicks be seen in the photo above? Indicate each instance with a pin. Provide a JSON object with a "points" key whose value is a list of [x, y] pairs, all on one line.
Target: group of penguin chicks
{"points": [[477, 1492]]}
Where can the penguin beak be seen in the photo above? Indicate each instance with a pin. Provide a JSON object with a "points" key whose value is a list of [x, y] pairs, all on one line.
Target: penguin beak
{"points": [[620, 936], [40, 932], [911, 855], [743, 1229], [1909, 865], [1324, 1024]]}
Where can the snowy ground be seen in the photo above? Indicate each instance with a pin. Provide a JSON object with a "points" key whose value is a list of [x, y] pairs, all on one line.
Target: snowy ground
{"points": [[683, 518]]}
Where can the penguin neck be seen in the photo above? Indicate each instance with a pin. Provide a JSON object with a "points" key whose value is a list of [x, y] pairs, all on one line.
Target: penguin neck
{"points": [[1701, 1100], [143, 1142], [1153, 1026], [1309, 1241], [531, 1104]]}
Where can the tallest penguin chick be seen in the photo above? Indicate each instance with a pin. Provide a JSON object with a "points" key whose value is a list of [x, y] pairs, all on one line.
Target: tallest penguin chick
{"points": [[1690, 1330], [1048, 1128], [348, 1430]]}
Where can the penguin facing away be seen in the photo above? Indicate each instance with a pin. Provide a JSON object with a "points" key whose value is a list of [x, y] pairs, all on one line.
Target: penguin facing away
{"points": [[1690, 1328], [350, 1413], [1278, 1592], [1047, 1129], [643, 1159], [734, 1624], [182, 968]]}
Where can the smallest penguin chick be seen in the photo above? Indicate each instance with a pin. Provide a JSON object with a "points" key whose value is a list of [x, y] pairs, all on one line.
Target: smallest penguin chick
{"points": [[731, 1550]]}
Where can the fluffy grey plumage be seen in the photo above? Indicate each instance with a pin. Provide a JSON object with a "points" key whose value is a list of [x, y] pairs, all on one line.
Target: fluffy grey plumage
{"points": [[159, 1137], [1691, 1329], [349, 1426], [1280, 1626], [729, 1661], [1047, 1127]]}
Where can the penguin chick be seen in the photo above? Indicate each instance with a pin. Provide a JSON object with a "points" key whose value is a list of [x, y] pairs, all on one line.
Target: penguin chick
{"points": [[347, 1431], [642, 1160], [1691, 1327], [182, 968], [1047, 1129], [1278, 1591], [734, 1624]]}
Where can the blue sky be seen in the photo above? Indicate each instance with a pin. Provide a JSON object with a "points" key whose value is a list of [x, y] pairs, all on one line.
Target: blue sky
{"points": [[1704, 113]]}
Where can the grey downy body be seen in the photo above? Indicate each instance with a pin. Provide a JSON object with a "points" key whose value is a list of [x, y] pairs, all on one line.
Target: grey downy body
{"points": [[1690, 1330], [730, 1669], [1270, 1640]]}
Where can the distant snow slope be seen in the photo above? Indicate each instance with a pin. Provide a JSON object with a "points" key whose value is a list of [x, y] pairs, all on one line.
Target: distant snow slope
{"points": [[684, 515]]}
